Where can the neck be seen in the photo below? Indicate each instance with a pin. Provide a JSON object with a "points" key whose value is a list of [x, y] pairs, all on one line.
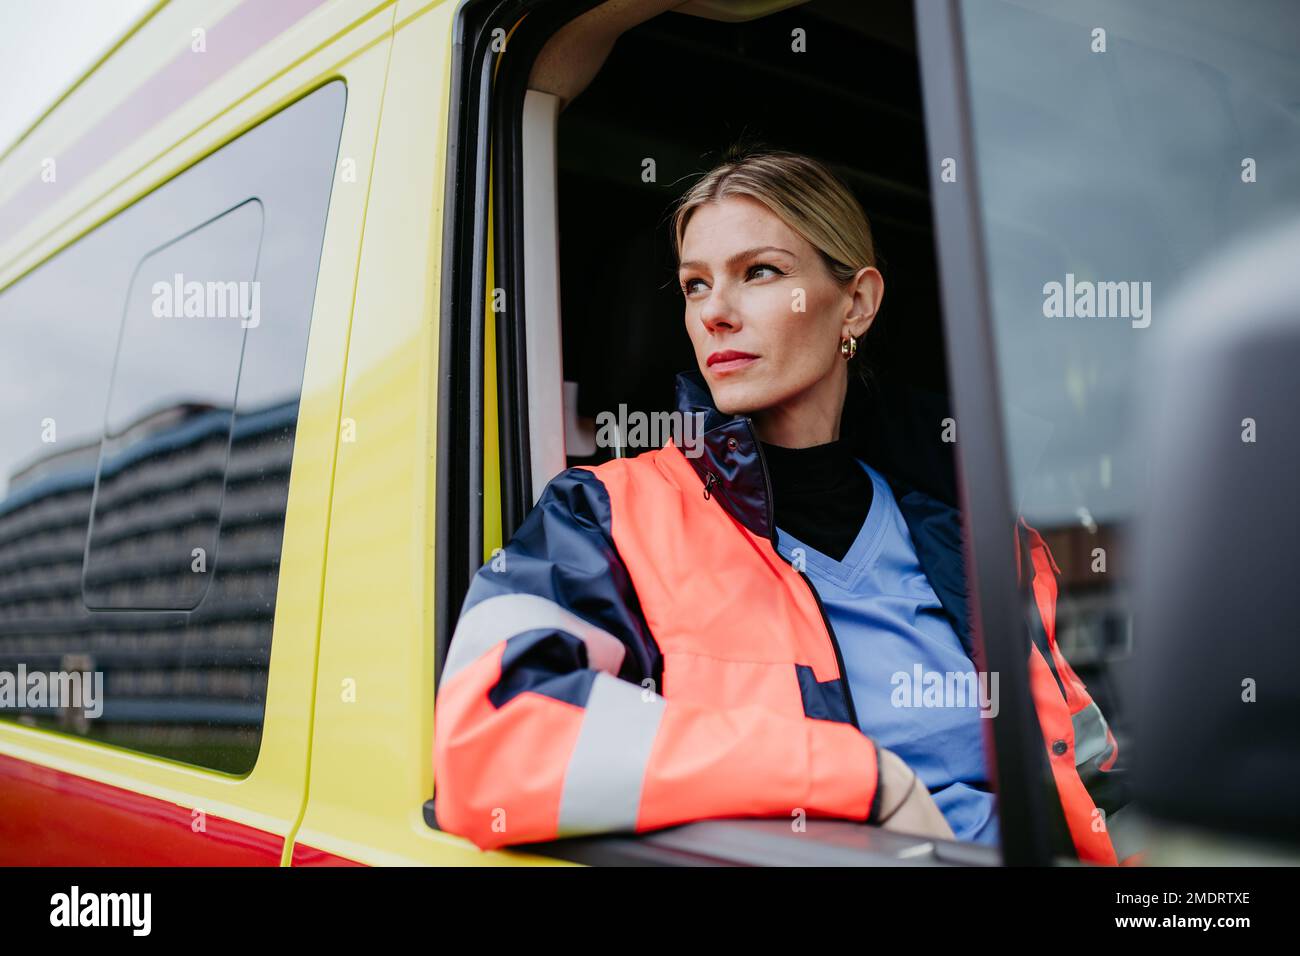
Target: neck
{"points": [[812, 417]]}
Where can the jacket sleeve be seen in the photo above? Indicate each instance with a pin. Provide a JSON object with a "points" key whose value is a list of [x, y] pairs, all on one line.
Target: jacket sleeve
{"points": [[548, 723]]}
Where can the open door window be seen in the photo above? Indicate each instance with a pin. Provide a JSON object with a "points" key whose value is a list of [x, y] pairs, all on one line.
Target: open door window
{"points": [[571, 308], [1088, 165]]}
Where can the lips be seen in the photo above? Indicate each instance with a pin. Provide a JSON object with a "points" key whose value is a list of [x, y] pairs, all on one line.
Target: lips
{"points": [[729, 360]]}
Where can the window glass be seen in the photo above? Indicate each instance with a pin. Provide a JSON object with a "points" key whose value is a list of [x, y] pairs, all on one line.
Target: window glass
{"points": [[146, 435], [1119, 147], [162, 463]]}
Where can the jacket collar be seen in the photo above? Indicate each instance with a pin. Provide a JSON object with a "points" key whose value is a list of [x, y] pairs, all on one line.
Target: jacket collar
{"points": [[883, 428]]}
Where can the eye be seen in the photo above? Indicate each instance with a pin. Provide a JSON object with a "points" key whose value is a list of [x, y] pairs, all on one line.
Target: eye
{"points": [[688, 286], [763, 265]]}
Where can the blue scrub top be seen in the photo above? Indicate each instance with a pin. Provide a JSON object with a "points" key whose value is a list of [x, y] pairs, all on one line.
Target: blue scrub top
{"points": [[898, 650]]}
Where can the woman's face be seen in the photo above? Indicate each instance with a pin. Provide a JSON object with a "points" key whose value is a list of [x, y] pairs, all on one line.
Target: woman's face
{"points": [[763, 311]]}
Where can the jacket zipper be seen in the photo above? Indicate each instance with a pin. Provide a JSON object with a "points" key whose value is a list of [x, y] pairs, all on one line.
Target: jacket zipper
{"points": [[771, 531]]}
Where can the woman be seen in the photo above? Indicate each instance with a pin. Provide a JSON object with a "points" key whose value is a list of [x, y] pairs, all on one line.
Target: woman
{"points": [[733, 629]]}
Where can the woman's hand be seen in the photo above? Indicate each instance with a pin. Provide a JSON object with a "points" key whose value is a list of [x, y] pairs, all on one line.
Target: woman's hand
{"points": [[916, 810]]}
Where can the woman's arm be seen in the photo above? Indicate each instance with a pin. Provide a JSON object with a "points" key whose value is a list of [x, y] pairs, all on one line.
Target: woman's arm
{"points": [[547, 725]]}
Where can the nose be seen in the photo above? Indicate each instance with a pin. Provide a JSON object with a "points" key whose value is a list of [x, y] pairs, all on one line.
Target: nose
{"points": [[717, 312]]}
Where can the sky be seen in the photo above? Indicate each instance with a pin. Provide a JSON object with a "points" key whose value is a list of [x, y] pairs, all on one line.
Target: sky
{"points": [[45, 45]]}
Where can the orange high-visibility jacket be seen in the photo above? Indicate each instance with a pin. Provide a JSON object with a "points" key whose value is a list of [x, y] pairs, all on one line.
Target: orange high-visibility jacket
{"points": [[630, 660]]}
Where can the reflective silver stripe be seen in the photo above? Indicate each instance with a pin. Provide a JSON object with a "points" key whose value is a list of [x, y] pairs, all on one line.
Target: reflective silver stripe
{"points": [[1089, 733], [500, 618], [602, 786]]}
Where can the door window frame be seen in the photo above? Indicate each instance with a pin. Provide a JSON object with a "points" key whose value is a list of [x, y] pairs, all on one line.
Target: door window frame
{"points": [[997, 610], [485, 162]]}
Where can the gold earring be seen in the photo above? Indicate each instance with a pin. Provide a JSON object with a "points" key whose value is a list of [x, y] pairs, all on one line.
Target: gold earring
{"points": [[848, 347]]}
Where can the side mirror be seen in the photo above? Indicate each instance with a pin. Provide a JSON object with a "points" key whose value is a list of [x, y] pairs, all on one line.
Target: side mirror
{"points": [[1215, 683]]}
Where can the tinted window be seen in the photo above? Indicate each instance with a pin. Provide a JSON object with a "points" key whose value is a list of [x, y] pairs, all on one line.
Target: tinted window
{"points": [[1120, 147], [149, 388], [154, 522]]}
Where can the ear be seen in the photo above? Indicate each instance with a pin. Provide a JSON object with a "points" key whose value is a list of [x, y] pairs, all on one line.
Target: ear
{"points": [[865, 292]]}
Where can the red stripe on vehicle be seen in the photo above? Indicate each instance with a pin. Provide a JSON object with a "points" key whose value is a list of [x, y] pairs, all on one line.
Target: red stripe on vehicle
{"points": [[52, 818], [304, 855]]}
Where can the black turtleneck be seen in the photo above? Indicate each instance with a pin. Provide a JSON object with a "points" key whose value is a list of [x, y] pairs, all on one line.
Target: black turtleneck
{"points": [[821, 495]]}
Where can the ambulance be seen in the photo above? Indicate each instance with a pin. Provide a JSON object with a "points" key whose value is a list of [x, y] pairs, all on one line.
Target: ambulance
{"points": [[302, 303]]}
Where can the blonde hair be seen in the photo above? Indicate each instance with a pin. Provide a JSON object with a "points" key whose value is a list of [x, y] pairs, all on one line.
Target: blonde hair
{"points": [[803, 194]]}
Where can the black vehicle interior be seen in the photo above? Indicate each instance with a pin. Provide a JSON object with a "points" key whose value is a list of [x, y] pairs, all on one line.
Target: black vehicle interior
{"points": [[680, 90]]}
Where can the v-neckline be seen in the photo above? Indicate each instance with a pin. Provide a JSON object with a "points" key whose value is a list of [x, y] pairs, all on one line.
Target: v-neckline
{"points": [[864, 547]]}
